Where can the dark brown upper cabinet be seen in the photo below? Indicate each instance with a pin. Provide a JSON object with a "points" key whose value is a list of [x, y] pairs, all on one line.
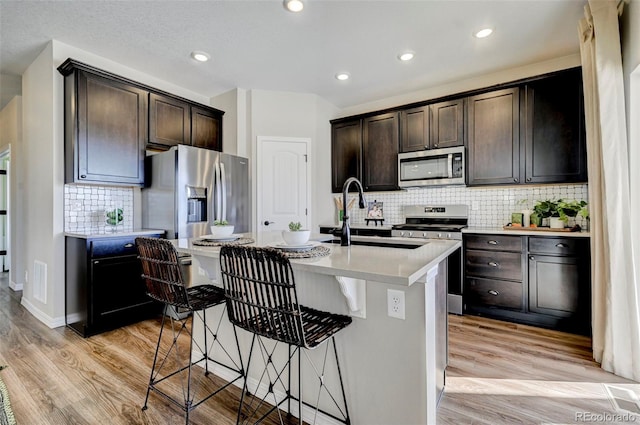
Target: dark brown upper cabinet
{"points": [[447, 124], [555, 146], [346, 152], [169, 121], [105, 129], [494, 137], [206, 128], [415, 129], [380, 151], [529, 134]]}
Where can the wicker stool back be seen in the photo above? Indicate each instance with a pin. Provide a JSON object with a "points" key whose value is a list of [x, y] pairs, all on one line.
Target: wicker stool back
{"points": [[262, 299], [163, 276]]}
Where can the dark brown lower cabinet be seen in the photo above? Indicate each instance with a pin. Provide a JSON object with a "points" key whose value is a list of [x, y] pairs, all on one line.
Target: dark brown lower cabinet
{"points": [[553, 291], [103, 289]]}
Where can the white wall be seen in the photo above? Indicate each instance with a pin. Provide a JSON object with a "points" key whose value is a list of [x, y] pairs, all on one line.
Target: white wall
{"points": [[474, 83], [285, 114], [11, 135]]}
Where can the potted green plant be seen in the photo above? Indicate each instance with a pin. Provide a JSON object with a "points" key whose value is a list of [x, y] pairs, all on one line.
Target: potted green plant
{"points": [[549, 209], [221, 229], [296, 235], [559, 211], [570, 209]]}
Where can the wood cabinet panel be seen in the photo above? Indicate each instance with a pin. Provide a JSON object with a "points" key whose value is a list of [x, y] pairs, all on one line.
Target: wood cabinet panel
{"points": [[380, 151], [555, 146], [495, 293], [169, 121], [494, 137], [346, 153], [103, 285], [554, 279], [415, 129], [447, 124], [206, 128], [494, 242], [105, 141], [503, 265], [554, 285]]}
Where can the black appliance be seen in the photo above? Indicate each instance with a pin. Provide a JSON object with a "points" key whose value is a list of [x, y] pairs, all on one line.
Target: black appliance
{"points": [[439, 222]]}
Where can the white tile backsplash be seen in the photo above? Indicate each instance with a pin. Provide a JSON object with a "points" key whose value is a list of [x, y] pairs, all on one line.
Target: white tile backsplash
{"points": [[85, 207], [488, 206]]}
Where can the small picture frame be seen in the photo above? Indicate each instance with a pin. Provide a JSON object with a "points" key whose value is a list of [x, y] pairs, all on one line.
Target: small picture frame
{"points": [[375, 210]]}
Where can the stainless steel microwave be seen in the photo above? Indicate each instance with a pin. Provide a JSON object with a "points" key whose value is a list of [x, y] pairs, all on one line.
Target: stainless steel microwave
{"points": [[435, 167]]}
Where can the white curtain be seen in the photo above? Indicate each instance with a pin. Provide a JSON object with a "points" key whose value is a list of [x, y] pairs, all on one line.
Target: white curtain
{"points": [[615, 299]]}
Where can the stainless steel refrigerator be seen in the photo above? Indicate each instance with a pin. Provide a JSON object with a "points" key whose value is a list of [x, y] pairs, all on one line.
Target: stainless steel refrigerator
{"points": [[188, 188]]}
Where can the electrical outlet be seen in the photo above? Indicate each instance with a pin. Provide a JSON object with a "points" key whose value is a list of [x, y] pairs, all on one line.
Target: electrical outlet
{"points": [[395, 303]]}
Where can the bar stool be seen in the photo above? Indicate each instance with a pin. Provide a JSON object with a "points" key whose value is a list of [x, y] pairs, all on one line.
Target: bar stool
{"points": [[262, 299], [165, 282]]}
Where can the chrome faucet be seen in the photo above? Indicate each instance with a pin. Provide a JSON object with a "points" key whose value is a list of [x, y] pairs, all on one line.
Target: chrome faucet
{"points": [[345, 236]]}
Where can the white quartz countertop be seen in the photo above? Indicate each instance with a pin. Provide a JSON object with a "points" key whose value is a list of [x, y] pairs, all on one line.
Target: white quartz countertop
{"points": [[381, 264], [523, 231], [360, 226], [136, 232]]}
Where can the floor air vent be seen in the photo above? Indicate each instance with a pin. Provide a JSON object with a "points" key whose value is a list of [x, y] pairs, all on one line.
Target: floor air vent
{"points": [[40, 281]]}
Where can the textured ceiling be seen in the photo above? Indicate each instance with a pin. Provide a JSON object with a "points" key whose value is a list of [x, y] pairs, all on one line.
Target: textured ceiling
{"points": [[259, 45]]}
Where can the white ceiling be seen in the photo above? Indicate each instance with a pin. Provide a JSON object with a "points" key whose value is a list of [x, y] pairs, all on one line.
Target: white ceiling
{"points": [[259, 45]]}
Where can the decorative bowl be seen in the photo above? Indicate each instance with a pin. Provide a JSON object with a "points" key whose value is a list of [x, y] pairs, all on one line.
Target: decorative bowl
{"points": [[298, 237], [222, 231]]}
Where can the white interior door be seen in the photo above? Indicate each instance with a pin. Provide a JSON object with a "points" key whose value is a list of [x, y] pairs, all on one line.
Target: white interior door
{"points": [[283, 186]]}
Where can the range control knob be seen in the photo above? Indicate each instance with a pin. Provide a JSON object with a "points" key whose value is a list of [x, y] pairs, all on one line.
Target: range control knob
{"points": [[410, 234], [439, 235], [402, 234], [424, 234], [448, 235]]}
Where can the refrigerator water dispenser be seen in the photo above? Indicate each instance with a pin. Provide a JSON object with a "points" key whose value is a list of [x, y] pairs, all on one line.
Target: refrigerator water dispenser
{"points": [[196, 204]]}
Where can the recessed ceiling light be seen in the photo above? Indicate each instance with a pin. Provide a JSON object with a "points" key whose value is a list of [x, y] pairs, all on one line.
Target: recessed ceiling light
{"points": [[342, 76], [485, 32], [406, 56], [200, 56], [293, 5]]}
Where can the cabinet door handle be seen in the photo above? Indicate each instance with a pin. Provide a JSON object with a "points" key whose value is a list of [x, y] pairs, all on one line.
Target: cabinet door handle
{"points": [[492, 242], [532, 258], [96, 262], [516, 180], [561, 245], [435, 145], [83, 176], [493, 292], [128, 245], [493, 264], [528, 179]]}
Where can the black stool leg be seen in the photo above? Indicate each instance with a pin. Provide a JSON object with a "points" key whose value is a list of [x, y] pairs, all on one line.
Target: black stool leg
{"points": [[347, 420], [246, 376], [206, 346], [187, 401], [155, 358], [299, 385]]}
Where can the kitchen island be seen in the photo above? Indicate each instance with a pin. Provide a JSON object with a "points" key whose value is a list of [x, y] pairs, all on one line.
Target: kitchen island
{"points": [[393, 368]]}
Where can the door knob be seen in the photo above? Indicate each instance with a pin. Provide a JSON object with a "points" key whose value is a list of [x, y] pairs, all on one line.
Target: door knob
{"points": [[267, 222]]}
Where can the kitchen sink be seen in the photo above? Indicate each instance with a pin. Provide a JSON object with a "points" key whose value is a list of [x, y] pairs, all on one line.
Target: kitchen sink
{"points": [[380, 243]]}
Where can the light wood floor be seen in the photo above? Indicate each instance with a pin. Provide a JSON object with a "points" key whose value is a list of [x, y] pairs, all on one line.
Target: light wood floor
{"points": [[499, 373]]}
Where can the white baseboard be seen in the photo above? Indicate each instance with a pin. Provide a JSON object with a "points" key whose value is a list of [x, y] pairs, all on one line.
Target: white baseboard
{"points": [[15, 286], [52, 322], [261, 390]]}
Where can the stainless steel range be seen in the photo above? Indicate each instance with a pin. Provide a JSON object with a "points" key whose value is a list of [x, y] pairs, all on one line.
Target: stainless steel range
{"points": [[439, 222]]}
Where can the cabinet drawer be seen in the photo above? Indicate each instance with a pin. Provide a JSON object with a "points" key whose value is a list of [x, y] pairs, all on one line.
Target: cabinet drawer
{"points": [[112, 247], [503, 265], [556, 246], [494, 293], [493, 242]]}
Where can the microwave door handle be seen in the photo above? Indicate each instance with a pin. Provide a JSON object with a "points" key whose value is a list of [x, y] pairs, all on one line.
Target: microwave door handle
{"points": [[450, 165], [223, 190]]}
